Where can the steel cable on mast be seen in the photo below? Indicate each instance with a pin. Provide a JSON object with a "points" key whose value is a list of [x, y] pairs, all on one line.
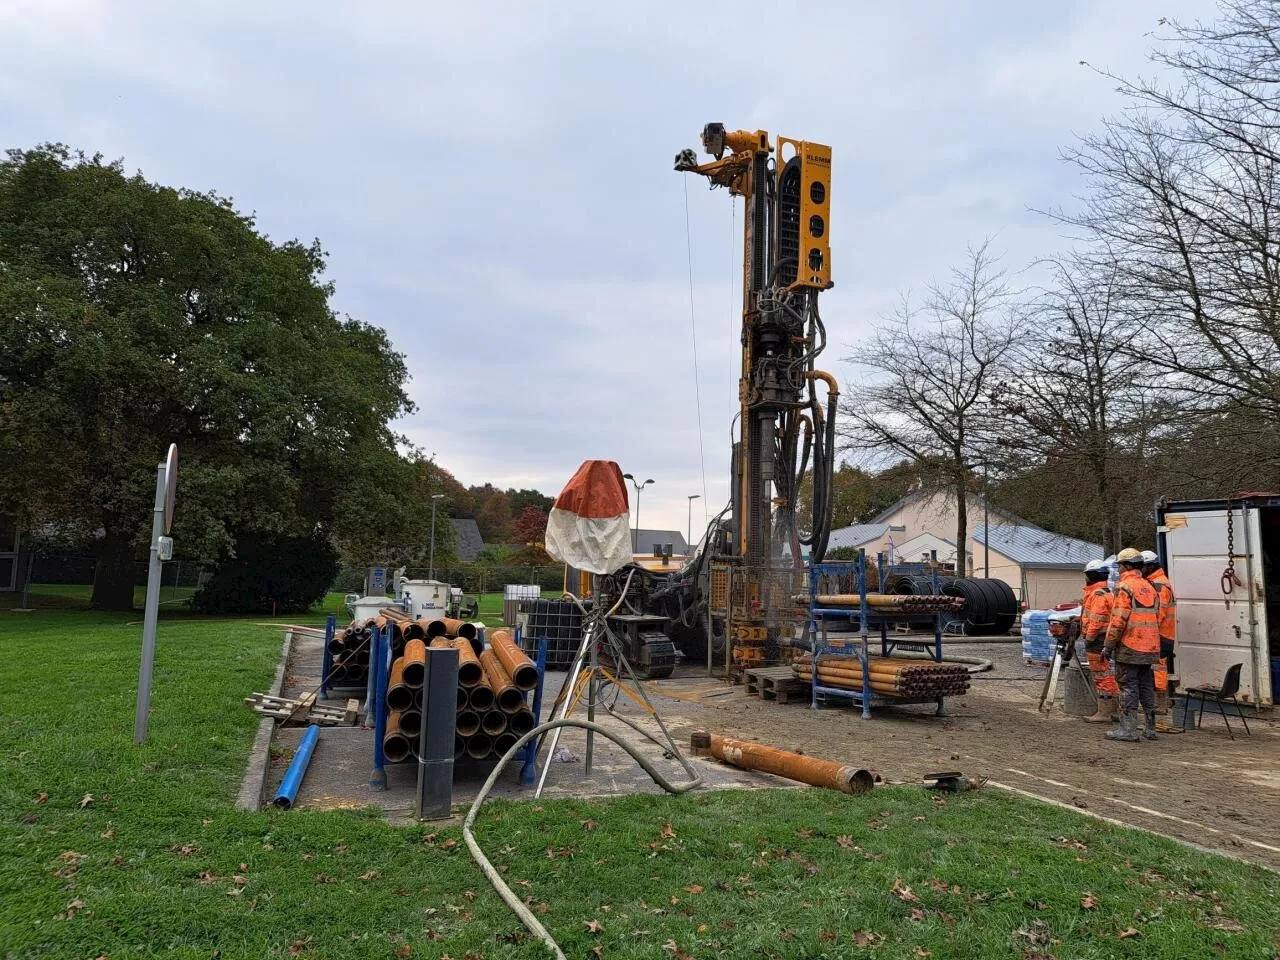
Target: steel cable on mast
{"points": [[693, 325]]}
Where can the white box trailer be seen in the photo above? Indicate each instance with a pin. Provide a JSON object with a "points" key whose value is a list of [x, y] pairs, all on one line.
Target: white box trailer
{"points": [[1225, 620]]}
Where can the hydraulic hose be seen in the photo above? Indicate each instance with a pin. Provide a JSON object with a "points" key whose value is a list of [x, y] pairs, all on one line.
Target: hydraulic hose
{"points": [[486, 866]]}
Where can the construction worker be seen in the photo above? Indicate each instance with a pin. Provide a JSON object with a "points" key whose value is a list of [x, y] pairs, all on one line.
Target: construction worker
{"points": [[1133, 642], [1095, 615], [1154, 572]]}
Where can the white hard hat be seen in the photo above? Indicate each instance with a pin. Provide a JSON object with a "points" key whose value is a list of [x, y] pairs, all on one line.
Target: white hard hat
{"points": [[1093, 565], [1149, 556]]}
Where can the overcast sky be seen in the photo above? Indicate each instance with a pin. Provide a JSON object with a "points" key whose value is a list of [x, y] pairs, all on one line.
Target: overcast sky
{"points": [[493, 181]]}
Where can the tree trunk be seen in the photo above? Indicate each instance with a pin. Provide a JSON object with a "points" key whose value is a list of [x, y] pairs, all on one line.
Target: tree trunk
{"points": [[114, 576], [962, 527]]}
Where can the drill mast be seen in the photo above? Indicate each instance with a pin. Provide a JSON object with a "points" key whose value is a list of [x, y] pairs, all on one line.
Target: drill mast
{"points": [[785, 427]]}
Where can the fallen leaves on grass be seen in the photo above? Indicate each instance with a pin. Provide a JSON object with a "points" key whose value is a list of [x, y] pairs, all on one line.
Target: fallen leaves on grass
{"points": [[207, 877], [921, 952], [325, 878], [903, 892], [404, 951], [674, 948], [1035, 905], [298, 946], [846, 841], [41, 799], [1069, 842], [107, 834], [449, 844], [1037, 933], [827, 936], [1127, 934], [588, 824], [917, 914], [668, 833], [1229, 925], [865, 938], [74, 907], [371, 875], [941, 887], [804, 832], [84, 801], [1089, 901], [593, 926], [693, 888], [185, 850]]}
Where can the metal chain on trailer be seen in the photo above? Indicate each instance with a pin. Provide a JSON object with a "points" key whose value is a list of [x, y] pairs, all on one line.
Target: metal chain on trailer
{"points": [[1229, 579]]}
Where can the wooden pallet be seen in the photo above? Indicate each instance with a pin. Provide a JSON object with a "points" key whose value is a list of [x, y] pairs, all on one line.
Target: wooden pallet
{"points": [[776, 683], [303, 711]]}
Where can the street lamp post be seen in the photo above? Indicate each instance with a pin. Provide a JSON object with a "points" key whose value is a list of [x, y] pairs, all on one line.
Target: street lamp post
{"points": [[639, 486], [431, 570], [688, 536]]}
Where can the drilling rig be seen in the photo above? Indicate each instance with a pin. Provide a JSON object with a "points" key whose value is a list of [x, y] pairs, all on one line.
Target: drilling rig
{"points": [[735, 598]]}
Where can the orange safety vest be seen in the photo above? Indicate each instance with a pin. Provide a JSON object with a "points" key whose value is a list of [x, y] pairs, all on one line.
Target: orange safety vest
{"points": [[1135, 616], [1168, 604], [1095, 610]]}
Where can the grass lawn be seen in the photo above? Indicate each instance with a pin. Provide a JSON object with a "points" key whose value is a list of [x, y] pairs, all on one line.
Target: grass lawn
{"points": [[111, 850]]}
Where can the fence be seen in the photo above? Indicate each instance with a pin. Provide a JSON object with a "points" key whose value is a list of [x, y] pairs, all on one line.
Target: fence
{"points": [[470, 578]]}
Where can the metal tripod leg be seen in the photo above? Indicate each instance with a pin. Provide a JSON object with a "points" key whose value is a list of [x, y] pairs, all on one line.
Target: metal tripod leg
{"points": [[567, 694], [1050, 691]]}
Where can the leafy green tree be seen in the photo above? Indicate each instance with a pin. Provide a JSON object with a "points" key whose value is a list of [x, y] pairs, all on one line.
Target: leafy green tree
{"points": [[133, 315]]}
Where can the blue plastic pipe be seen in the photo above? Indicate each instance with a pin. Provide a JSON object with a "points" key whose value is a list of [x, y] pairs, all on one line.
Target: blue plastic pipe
{"points": [[297, 769]]}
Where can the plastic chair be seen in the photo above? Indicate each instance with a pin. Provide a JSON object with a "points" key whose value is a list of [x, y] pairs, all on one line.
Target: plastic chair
{"points": [[1208, 693]]}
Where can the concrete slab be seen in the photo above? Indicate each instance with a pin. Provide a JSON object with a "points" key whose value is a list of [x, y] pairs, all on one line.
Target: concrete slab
{"points": [[340, 772]]}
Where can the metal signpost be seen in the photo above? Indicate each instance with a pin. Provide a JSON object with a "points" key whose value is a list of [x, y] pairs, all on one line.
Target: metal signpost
{"points": [[161, 550]]}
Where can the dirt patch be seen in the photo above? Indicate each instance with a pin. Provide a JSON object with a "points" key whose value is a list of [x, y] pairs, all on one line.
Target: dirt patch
{"points": [[1199, 787]]}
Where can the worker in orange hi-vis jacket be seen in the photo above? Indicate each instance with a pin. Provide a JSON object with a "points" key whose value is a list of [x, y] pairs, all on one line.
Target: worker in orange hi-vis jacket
{"points": [[1154, 572], [1095, 615], [1133, 642]]}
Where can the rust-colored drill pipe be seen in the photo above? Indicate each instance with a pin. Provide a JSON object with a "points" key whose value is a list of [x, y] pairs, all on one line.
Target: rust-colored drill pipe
{"points": [[459, 746], [783, 763], [466, 722], [481, 698], [395, 744], [411, 722], [494, 722], [449, 627], [464, 698], [504, 742], [415, 663], [514, 660], [521, 722], [479, 745], [399, 694], [504, 691], [469, 670], [410, 628]]}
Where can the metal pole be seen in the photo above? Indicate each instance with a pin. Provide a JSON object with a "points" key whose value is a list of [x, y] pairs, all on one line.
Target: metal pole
{"points": [[591, 700], [986, 527], [635, 545], [151, 612], [431, 570]]}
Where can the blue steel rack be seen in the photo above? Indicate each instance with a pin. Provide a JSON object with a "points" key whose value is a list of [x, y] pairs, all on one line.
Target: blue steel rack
{"points": [[866, 617]]}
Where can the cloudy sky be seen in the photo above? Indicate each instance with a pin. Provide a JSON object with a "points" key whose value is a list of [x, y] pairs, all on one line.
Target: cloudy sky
{"points": [[493, 180]]}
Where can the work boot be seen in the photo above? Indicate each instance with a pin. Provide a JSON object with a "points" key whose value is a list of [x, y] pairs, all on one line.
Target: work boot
{"points": [[1127, 732], [1149, 731], [1106, 709]]}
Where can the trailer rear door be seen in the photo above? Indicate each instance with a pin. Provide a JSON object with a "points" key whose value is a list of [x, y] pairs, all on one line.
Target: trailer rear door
{"points": [[1212, 633]]}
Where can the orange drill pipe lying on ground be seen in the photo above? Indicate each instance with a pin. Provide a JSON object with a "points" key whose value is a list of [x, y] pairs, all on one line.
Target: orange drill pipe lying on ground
{"points": [[783, 763], [514, 660]]}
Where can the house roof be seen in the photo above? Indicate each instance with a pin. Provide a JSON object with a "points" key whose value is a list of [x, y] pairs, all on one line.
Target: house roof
{"points": [[645, 540], [470, 543], [856, 535], [1006, 515], [1030, 546]]}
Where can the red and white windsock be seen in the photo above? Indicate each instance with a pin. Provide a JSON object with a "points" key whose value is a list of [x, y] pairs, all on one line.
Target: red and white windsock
{"points": [[590, 524]]}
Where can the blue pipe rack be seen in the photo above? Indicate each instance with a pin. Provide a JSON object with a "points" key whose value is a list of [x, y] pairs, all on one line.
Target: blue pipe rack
{"points": [[866, 617]]}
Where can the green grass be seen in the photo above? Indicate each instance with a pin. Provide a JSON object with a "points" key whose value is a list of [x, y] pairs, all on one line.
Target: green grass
{"points": [[75, 596], [159, 864]]}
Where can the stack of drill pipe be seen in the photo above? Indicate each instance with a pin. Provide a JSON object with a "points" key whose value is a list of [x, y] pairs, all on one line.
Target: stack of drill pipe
{"points": [[491, 712], [913, 679], [396, 628], [349, 649], [409, 627], [889, 602]]}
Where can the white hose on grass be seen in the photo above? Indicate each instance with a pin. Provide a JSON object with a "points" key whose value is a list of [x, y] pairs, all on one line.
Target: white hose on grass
{"points": [[486, 866]]}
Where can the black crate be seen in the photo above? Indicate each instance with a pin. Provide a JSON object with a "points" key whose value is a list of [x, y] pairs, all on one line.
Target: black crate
{"points": [[560, 621]]}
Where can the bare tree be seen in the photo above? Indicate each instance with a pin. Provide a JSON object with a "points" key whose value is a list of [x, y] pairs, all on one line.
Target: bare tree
{"points": [[1184, 201], [1078, 407], [930, 373]]}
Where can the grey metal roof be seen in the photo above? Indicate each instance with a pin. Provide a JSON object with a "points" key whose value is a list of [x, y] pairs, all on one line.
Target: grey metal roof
{"points": [[470, 543], [856, 535], [1031, 546], [645, 539]]}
